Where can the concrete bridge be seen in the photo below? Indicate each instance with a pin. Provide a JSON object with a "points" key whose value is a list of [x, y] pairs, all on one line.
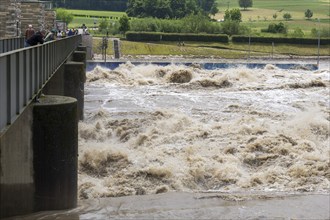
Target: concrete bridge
{"points": [[41, 102]]}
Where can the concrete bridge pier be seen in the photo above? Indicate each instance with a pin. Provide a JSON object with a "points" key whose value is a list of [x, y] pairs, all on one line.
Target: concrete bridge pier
{"points": [[74, 79], [69, 80], [38, 153], [39, 133], [80, 55], [55, 147]]}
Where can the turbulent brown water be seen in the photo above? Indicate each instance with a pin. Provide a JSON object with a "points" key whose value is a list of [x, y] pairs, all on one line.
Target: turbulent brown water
{"points": [[151, 129]]}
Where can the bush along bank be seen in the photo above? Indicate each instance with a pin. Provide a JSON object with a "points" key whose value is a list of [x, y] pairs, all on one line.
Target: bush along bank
{"points": [[157, 36], [222, 38]]}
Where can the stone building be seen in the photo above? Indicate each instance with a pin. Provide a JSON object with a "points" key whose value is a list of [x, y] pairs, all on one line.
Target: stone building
{"points": [[9, 18], [16, 15]]}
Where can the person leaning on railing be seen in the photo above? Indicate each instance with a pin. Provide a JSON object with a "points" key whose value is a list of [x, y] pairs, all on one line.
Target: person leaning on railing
{"points": [[37, 38], [50, 36]]}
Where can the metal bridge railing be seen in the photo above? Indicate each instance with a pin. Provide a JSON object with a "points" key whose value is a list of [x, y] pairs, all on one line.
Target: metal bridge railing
{"points": [[24, 72], [10, 44]]}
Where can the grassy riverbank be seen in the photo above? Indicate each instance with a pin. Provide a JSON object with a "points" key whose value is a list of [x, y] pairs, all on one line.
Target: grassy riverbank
{"points": [[208, 49]]}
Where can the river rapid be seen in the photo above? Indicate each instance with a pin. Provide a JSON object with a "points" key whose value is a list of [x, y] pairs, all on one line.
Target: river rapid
{"points": [[181, 142], [150, 129]]}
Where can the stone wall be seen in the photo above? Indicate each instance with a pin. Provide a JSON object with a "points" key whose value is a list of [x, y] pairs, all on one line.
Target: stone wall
{"points": [[16, 15], [32, 14], [50, 18], [9, 18]]}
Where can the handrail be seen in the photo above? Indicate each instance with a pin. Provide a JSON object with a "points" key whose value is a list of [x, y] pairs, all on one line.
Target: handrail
{"points": [[9, 44], [24, 72]]}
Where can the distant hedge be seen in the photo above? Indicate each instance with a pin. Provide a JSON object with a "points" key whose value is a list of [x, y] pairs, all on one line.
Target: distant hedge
{"points": [[284, 40], [156, 36]]}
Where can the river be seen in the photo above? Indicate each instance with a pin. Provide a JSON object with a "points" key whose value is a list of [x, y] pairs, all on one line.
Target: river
{"points": [[159, 141]]}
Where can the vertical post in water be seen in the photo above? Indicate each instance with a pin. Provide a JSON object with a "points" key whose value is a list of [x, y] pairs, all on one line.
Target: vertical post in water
{"points": [[272, 50], [249, 45], [105, 51], [55, 152], [318, 45]]}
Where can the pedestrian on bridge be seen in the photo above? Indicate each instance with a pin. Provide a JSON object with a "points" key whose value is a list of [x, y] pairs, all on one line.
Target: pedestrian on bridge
{"points": [[29, 32], [38, 37], [50, 36]]}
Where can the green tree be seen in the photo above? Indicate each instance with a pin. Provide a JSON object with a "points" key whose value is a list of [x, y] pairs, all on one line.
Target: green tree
{"points": [[233, 15], [287, 16], [150, 7], [226, 17], [297, 33], [178, 8], [308, 14], [63, 15], [163, 9], [103, 25], [105, 5], [113, 27], [277, 28], [196, 23], [135, 8], [324, 32], [191, 7], [169, 8], [124, 24], [245, 3], [214, 9], [207, 5], [233, 27]]}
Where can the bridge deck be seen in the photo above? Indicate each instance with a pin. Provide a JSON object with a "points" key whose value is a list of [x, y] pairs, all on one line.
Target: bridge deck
{"points": [[24, 72]]}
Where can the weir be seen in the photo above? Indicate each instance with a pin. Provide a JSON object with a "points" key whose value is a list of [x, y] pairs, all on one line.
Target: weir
{"points": [[204, 65], [41, 101]]}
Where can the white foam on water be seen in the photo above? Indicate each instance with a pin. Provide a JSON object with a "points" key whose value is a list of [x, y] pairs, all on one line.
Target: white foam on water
{"points": [[152, 129]]}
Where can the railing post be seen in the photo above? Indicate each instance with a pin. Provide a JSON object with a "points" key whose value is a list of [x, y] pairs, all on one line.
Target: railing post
{"points": [[33, 71], [21, 80], [3, 91], [13, 84]]}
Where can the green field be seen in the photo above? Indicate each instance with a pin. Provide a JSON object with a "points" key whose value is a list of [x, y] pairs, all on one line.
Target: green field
{"points": [[319, 7], [257, 17], [261, 14], [86, 13], [88, 21], [92, 18]]}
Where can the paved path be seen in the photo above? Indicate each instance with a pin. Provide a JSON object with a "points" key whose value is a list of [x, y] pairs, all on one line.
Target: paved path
{"points": [[199, 206]]}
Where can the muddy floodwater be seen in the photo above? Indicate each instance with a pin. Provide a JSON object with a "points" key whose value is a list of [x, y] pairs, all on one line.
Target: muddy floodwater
{"points": [[184, 142], [151, 129]]}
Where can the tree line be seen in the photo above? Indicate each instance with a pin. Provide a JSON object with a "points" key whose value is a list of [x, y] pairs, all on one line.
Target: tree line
{"points": [[169, 8], [104, 5], [144, 8]]}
